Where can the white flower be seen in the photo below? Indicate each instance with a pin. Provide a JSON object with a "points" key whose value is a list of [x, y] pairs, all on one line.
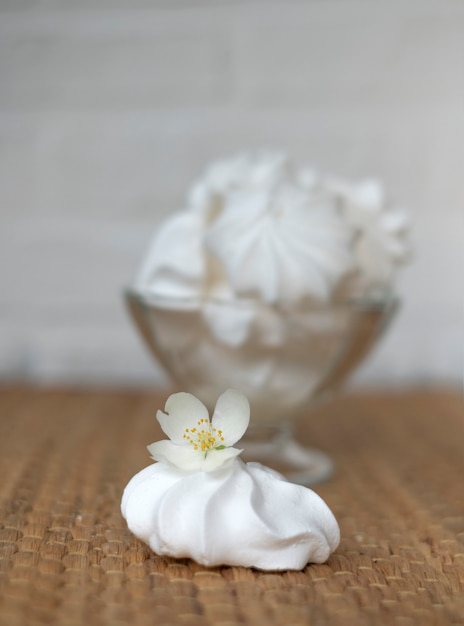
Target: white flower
{"points": [[196, 443]]}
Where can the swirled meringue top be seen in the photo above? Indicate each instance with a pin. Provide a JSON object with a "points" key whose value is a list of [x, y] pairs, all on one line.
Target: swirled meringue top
{"points": [[256, 228]]}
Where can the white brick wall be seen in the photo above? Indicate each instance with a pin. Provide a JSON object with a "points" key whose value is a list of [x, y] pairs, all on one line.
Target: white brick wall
{"points": [[107, 114]]}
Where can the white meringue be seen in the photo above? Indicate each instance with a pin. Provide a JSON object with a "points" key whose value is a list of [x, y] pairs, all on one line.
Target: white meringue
{"points": [[175, 264], [244, 515], [201, 501], [277, 247], [255, 229], [380, 245]]}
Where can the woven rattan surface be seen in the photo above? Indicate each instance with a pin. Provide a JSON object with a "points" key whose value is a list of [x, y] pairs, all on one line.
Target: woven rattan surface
{"points": [[66, 557]]}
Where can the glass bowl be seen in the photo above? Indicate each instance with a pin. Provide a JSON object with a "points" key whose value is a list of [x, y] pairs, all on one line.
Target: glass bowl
{"points": [[283, 358]]}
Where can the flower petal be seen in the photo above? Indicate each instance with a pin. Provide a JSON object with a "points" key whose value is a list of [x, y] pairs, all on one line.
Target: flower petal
{"points": [[232, 415], [182, 456], [182, 411], [190, 460], [219, 459]]}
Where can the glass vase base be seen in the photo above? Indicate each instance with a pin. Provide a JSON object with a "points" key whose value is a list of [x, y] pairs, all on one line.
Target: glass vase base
{"points": [[275, 447]]}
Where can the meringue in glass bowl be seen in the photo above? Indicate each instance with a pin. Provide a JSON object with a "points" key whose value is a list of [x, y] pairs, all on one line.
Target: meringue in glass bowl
{"points": [[290, 360], [275, 281]]}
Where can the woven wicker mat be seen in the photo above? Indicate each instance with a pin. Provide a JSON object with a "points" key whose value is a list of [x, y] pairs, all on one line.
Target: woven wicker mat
{"points": [[66, 557]]}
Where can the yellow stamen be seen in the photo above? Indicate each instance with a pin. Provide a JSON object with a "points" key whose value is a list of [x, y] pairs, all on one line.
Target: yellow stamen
{"points": [[205, 439]]}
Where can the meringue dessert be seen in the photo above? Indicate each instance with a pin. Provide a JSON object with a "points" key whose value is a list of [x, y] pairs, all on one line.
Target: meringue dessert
{"points": [[269, 278], [199, 500], [257, 229]]}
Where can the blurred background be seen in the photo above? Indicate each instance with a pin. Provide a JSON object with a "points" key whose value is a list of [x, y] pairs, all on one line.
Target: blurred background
{"points": [[109, 110]]}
